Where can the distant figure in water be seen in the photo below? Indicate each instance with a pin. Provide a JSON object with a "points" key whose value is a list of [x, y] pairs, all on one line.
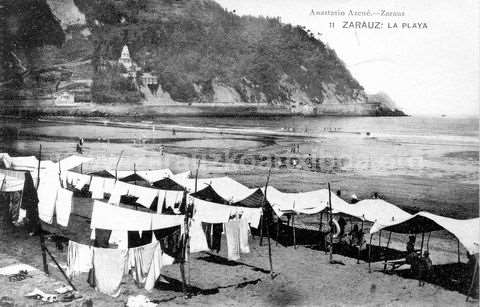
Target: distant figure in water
{"points": [[173, 131], [354, 199], [339, 193], [80, 146]]}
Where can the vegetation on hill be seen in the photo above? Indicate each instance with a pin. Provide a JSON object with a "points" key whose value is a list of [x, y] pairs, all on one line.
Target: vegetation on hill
{"points": [[191, 44]]}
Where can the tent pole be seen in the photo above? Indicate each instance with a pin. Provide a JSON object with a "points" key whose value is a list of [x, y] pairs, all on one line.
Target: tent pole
{"points": [[81, 168], [267, 223], [278, 231], [331, 222], [116, 166], [458, 251], [293, 230], [369, 254], [428, 240], [475, 271], [386, 251], [42, 239], [261, 231], [320, 229], [421, 246]]}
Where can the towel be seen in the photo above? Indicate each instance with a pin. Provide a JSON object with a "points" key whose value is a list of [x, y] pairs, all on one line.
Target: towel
{"points": [[198, 241], [244, 232], [159, 260], [109, 265], [79, 258], [63, 206], [106, 216], [47, 194], [140, 260], [96, 187], [232, 230]]}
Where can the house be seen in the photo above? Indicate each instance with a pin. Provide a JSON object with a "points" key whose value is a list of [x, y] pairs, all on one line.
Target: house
{"points": [[64, 99], [148, 78]]}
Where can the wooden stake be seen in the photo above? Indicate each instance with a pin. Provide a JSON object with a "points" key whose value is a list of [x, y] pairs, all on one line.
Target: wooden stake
{"points": [[428, 239], [278, 231], [42, 239], [475, 272], [369, 254], [331, 222], [293, 230], [421, 246], [116, 166], [267, 224], [320, 230], [458, 251], [388, 243]]}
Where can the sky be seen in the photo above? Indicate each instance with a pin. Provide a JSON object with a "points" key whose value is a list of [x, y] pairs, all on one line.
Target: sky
{"points": [[430, 71]]}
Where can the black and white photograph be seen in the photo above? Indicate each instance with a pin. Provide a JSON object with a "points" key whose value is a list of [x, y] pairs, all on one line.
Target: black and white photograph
{"points": [[239, 153]]}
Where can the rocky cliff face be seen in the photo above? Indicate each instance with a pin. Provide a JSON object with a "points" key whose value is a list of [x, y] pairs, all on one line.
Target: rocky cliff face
{"points": [[198, 52]]}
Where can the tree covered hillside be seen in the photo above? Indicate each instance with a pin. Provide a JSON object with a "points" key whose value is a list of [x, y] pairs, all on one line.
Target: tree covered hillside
{"points": [[192, 45]]}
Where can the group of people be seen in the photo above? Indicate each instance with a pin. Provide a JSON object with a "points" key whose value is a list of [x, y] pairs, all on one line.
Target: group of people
{"points": [[419, 264]]}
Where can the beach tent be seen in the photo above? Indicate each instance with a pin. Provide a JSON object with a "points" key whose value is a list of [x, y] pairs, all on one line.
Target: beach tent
{"points": [[377, 211], [148, 175], [168, 184], [303, 202], [254, 200], [226, 187], [102, 173], [209, 194], [71, 162], [466, 231], [136, 179]]}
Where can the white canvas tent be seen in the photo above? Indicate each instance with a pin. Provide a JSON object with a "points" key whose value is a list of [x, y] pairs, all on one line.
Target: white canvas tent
{"points": [[466, 231]]}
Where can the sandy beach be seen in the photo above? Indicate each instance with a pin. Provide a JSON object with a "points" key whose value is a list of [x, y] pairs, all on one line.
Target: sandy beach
{"points": [[422, 176]]}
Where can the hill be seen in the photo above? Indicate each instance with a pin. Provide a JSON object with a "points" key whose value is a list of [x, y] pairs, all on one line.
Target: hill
{"points": [[199, 52]]}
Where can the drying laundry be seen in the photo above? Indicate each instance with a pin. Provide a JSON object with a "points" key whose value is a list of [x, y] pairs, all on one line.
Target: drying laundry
{"points": [[112, 217], [77, 180], [159, 260], [139, 261], [79, 258], [101, 237], [213, 234], [139, 238], [63, 206], [198, 241], [119, 189], [244, 234], [212, 213], [232, 231], [97, 187], [109, 265], [145, 196], [47, 193], [171, 241], [119, 238]]}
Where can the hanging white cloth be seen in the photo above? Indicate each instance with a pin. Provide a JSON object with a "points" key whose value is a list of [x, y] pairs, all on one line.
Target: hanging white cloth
{"points": [[63, 206]]}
